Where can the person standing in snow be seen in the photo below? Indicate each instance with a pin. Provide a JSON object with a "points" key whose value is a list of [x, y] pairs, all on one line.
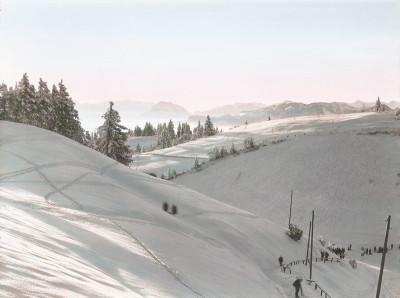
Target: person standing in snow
{"points": [[297, 286], [326, 255], [280, 260]]}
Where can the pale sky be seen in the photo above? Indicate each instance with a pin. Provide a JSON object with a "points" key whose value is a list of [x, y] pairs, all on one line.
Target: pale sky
{"points": [[201, 54]]}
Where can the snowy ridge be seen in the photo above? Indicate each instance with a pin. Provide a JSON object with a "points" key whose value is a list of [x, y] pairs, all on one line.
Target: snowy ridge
{"points": [[102, 232]]}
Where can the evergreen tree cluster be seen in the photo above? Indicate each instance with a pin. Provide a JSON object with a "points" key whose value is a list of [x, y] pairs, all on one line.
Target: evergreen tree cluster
{"points": [[147, 131], [167, 137], [53, 110]]}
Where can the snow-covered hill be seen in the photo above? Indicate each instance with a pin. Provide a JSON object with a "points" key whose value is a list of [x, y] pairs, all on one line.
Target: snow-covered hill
{"points": [[349, 174], [75, 223]]}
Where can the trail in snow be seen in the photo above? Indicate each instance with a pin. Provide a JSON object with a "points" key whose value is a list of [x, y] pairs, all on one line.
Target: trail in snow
{"points": [[101, 171]]}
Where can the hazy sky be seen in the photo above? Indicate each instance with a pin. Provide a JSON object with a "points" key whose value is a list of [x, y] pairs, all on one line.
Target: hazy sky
{"points": [[201, 54]]}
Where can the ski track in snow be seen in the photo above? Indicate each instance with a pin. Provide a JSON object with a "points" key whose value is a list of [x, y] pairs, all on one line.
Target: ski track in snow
{"points": [[102, 172]]}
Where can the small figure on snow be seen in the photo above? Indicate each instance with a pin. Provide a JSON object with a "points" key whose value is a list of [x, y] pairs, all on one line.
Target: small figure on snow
{"points": [[297, 286], [391, 246], [326, 255], [280, 261]]}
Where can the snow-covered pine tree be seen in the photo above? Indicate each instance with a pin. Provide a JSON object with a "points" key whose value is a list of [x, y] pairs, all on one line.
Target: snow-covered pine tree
{"points": [[196, 164], [148, 130], [164, 138], [209, 129], [233, 149], [199, 130], [67, 120], [137, 132], [178, 132], [171, 131], [44, 101], [5, 100], [112, 138], [26, 102], [52, 119]]}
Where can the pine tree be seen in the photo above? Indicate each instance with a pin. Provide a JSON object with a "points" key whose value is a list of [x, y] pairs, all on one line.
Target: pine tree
{"points": [[199, 130], [137, 132], [52, 119], [209, 129], [233, 149], [148, 130], [5, 101], [178, 133], [67, 120], [27, 93], [44, 104], [196, 164], [112, 138], [378, 105], [164, 138], [171, 131], [138, 148]]}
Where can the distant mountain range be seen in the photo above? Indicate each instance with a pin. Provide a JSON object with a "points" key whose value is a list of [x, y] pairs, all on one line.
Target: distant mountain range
{"points": [[163, 111], [364, 104], [138, 112], [232, 109]]}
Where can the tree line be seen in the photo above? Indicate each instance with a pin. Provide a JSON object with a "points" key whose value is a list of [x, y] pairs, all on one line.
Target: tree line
{"points": [[167, 136], [55, 110]]}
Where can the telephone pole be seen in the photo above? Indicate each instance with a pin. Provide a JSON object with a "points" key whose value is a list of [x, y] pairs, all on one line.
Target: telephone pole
{"points": [[308, 242], [290, 212], [312, 235], [378, 290]]}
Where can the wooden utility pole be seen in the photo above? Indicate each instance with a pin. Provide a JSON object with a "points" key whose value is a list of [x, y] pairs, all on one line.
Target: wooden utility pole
{"points": [[312, 236], [290, 212], [383, 258], [308, 242]]}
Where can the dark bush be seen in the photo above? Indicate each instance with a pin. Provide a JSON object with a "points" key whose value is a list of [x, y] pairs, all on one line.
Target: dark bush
{"points": [[165, 206], [174, 209]]}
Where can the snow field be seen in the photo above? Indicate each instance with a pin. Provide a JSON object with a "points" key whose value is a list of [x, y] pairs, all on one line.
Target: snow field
{"points": [[76, 223]]}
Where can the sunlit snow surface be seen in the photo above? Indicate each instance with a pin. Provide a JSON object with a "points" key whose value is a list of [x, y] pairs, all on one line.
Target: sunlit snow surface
{"points": [[75, 223]]}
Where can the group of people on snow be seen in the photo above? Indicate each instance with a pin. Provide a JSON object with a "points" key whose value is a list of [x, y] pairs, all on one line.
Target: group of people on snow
{"points": [[339, 251]]}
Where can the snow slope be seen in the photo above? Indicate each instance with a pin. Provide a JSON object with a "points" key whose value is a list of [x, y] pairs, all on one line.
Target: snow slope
{"points": [[181, 157], [349, 175], [75, 223]]}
